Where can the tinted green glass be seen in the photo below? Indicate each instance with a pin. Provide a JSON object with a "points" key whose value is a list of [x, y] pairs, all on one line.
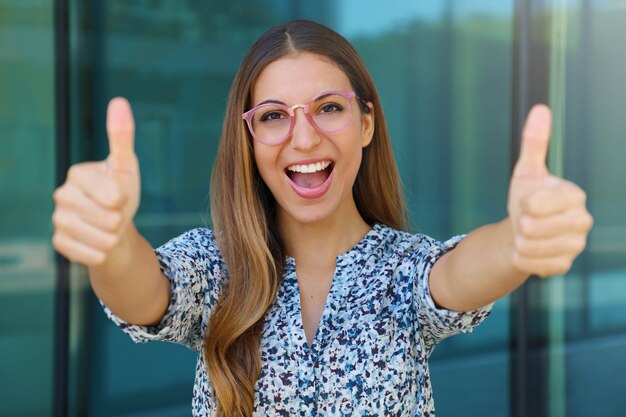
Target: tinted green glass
{"points": [[27, 166], [446, 90], [585, 309]]}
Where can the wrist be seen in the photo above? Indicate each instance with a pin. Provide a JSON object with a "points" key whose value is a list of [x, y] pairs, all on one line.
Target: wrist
{"points": [[507, 247], [122, 253]]}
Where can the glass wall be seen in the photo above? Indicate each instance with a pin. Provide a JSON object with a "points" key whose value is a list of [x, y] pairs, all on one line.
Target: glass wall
{"points": [[27, 167]]}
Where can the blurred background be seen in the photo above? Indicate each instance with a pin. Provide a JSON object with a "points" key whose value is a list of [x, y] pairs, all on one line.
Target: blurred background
{"points": [[456, 79]]}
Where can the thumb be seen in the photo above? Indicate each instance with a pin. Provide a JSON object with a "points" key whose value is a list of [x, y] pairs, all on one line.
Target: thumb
{"points": [[121, 132], [535, 141]]}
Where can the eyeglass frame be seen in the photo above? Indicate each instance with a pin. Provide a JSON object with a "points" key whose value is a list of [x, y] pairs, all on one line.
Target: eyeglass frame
{"points": [[291, 111]]}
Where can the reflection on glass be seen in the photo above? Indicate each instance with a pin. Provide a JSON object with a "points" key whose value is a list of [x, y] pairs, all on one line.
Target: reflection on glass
{"points": [[594, 124], [583, 312], [26, 184]]}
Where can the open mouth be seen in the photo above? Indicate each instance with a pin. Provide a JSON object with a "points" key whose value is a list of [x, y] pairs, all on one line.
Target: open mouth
{"points": [[310, 176]]}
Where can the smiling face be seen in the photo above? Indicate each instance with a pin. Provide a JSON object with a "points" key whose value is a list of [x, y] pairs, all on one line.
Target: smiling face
{"points": [[311, 174]]}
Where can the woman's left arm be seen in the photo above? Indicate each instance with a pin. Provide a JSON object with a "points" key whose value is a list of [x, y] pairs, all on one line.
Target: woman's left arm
{"points": [[546, 228]]}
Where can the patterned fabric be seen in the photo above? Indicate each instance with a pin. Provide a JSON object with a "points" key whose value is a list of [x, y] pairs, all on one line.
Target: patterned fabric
{"points": [[369, 355]]}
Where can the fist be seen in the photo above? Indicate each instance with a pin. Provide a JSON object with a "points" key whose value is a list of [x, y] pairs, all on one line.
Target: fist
{"points": [[548, 214], [95, 206]]}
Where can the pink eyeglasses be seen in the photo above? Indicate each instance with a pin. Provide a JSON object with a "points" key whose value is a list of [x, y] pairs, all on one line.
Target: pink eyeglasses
{"points": [[272, 122]]}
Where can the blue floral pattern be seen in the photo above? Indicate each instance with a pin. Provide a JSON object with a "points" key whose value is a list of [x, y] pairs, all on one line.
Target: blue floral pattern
{"points": [[369, 354]]}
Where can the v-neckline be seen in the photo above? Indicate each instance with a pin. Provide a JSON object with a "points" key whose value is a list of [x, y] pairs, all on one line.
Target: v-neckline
{"points": [[325, 308], [339, 288], [297, 321]]}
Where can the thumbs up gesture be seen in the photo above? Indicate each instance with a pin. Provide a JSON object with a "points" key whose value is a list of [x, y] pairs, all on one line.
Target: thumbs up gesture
{"points": [[98, 201], [548, 214]]}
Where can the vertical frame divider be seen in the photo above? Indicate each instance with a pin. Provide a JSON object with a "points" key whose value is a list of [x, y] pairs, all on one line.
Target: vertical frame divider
{"points": [[62, 138], [519, 299], [531, 82]]}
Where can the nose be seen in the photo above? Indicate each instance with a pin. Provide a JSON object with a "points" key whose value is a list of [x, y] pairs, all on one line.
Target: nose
{"points": [[304, 136]]}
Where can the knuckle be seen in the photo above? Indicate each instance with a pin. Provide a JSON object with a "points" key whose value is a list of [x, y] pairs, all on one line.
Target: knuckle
{"points": [[522, 246], [526, 226], [71, 172], [581, 221], [587, 221], [56, 195], [58, 219], [57, 241], [525, 204], [519, 262], [115, 221], [106, 244], [563, 265], [55, 219], [533, 205], [572, 221], [74, 171], [115, 197], [59, 195], [110, 242], [580, 244], [98, 259]]}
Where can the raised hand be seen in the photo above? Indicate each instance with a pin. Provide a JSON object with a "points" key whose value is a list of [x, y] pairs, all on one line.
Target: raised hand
{"points": [[98, 201], [548, 214]]}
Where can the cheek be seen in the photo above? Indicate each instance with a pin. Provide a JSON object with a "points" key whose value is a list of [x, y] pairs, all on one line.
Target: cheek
{"points": [[265, 163], [356, 164], [354, 153]]}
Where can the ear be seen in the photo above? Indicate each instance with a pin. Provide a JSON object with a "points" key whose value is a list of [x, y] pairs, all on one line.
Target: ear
{"points": [[367, 125]]}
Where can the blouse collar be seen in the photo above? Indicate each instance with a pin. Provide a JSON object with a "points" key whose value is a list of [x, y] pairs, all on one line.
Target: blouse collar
{"points": [[359, 251]]}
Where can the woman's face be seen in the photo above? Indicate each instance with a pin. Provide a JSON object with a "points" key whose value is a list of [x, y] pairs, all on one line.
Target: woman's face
{"points": [[324, 195]]}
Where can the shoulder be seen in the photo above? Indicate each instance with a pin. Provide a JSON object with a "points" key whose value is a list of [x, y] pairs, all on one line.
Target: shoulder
{"points": [[413, 246], [395, 240], [199, 239], [195, 247]]}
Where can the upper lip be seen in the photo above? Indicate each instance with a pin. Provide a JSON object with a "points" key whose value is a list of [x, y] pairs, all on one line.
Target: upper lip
{"points": [[308, 161]]}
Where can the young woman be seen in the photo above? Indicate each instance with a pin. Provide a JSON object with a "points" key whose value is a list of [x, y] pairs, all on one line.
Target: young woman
{"points": [[308, 298]]}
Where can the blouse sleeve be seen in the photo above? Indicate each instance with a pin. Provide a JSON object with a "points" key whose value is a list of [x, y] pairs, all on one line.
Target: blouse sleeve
{"points": [[193, 265], [439, 323]]}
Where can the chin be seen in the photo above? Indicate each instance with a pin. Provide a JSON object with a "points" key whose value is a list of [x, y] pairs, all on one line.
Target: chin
{"points": [[307, 215]]}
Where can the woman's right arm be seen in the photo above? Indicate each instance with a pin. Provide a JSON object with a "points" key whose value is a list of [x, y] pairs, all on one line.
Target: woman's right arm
{"points": [[93, 225]]}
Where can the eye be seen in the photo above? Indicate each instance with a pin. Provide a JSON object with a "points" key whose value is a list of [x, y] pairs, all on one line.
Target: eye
{"points": [[272, 115], [330, 108]]}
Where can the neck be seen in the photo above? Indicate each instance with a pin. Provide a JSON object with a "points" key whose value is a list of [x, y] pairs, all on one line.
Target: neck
{"points": [[319, 243]]}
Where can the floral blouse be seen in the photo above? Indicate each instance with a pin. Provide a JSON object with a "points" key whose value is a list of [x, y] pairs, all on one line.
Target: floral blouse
{"points": [[369, 356]]}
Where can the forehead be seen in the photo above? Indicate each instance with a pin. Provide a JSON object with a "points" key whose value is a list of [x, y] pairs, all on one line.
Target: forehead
{"points": [[297, 78]]}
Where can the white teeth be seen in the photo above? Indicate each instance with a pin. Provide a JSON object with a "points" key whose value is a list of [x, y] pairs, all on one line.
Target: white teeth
{"points": [[306, 169]]}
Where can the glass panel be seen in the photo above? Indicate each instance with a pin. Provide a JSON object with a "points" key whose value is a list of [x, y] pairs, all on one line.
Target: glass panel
{"points": [[586, 307], [446, 91], [463, 141], [27, 150], [445, 85]]}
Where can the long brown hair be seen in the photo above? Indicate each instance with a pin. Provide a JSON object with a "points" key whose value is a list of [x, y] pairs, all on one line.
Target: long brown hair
{"points": [[243, 210]]}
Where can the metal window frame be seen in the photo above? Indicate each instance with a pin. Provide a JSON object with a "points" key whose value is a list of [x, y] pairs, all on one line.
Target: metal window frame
{"points": [[62, 126], [530, 85]]}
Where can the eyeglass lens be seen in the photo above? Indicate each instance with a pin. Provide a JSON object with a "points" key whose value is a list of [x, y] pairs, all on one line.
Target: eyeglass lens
{"points": [[271, 122]]}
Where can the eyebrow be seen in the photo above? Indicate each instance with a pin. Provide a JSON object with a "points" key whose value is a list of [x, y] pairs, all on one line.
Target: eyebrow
{"points": [[274, 101], [271, 100]]}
